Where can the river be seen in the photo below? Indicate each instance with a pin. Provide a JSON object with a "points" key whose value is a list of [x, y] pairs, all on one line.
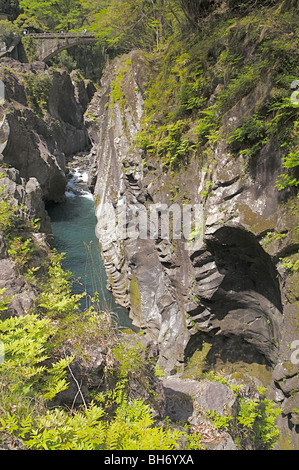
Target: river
{"points": [[73, 225]]}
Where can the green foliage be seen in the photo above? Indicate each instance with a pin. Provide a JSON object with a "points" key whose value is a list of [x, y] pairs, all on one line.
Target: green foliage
{"points": [[21, 251], [258, 422], [252, 136], [87, 327], [246, 79], [246, 5], [64, 61], [49, 15], [8, 31], [30, 375], [290, 263], [20, 248], [254, 423], [25, 380], [30, 50], [10, 8], [131, 429], [131, 369], [134, 422], [220, 422], [130, 358], [291, 161], [273, 237], [170, 144], [28, 378], [194, 10], [194, 80], [277, 120], [117, 90], [37, 89], [179, 91], [141, 24], [4, 300], [56, 299], [207, 126], [7, 212], [194, 441], [13, 217]]}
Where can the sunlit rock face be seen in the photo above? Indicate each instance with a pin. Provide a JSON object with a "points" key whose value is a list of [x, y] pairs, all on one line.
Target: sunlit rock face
{"points": [[39, 131], [226, 290]]}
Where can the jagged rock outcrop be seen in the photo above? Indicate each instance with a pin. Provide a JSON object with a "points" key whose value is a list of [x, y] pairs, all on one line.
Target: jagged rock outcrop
{"points": [[135, 273], [189, 401], [28, 197], [41, 123], [230, 290], [230, 274]]}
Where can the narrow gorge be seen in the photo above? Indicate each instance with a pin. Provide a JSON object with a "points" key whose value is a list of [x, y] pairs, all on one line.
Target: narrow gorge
{"points": [[196, 132], [228, 303]]}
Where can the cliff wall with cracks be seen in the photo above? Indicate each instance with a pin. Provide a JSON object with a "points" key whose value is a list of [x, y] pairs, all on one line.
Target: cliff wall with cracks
{"points": [[135, 272], [230, 294], [42, 122], [41, 126]]}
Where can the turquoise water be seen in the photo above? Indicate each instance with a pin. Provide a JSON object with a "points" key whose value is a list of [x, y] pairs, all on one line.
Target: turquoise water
{"points": [[73, 224]]}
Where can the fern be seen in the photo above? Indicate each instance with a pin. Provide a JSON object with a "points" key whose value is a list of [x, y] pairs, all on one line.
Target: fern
{"points": [[55, 380], [257, 420], [4, 300], [7, 211], [89, 430], [56, 298]]}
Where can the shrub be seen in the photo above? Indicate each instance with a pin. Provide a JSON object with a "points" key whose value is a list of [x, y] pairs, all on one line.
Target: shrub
{"points": [[257, 423], [8, 212], [56, 299], [130, 429], [37, 89], [27, 382], [8, 31]]}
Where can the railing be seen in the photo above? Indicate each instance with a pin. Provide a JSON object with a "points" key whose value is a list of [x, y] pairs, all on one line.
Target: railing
{"points": [[60, 35]]}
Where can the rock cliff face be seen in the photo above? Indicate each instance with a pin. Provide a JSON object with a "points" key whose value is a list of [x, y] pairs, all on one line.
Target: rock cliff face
{"points": [[229, 290], [28, 195], [42, 123], [225, 301]]}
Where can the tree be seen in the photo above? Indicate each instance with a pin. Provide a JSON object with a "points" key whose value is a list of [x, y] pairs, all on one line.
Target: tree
{"points": [[54, 14], [10, 8], [125, 25], [8, 31]]}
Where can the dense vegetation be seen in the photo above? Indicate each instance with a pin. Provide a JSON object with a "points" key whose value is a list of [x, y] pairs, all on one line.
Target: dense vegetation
{"points": [[34, 370], [192, 47], [35, 365]]}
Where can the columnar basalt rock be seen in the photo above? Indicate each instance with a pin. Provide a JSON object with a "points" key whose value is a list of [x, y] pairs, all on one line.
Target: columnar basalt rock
{"points": [[233, 278], [229, 291]]}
